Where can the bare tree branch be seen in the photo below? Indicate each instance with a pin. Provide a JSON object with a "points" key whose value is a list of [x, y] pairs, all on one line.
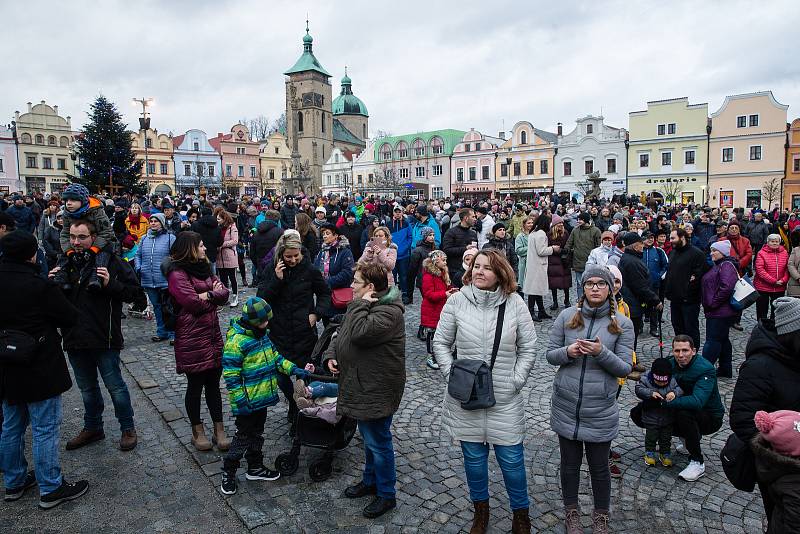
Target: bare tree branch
{"points": [[671, 189], [772, 191]]}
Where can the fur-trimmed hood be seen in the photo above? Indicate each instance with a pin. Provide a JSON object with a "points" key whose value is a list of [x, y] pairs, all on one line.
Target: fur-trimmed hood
{"points": [[431, 267], [771, 465]]}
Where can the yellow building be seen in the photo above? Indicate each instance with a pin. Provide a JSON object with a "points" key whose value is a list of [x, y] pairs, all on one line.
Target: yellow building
{"points": [[158, 166], [530, 152], [45, 148], [275, 162], [668, 151]]}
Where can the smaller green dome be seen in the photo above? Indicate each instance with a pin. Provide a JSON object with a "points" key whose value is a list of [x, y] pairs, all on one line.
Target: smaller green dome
{"points": [[346, 80], [347, 103], [307, 38]]}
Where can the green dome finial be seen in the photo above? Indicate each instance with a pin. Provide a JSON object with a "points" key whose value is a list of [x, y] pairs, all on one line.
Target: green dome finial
{"points": [[346, 80]]}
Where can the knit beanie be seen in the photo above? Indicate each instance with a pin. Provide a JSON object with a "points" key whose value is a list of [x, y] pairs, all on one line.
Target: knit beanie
{"points": [[426, 231], [615, 228], [19, 246], [76, 192], [787, 314], [781, 429], [661, 370], [255, 311], [556, 220], [434, 255], [598, 271], [497, 226], [128, 242], [615, 272], [723, 246], [161, 218], [607, 235], [585, 217]]}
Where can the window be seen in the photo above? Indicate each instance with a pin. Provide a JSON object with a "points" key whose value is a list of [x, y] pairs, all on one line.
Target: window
{"points": [[61, 164], [523, 138], [477, 146], [741, 121], [211, 169], [473, 174], [796, 165], [30, 162], [63, 141], [688, 157], [753, 120], [544, 167], [200, 169], [589, 129], [755, 152], [644, 160], [485, 172], [403, 173], [436, 170], [727, 155], [661, 129], [370, 178], [529, 167], [363, 131], [47, 163], [611, 165], [567, 168], [387, 156], [438, 192], [460, 174], [39, 139], [420, 151], [196, 146], [666, 159], [240, 150], [503, 169], [323, 123], [187, 169], [276, 150], [240, 171], [228, 170], [148, 143], [151, 168], [402, 153], [754, 198], [420, 172], [272, 174], [588, 166], [2, 169], [25, 138], [516, 168], [163, 168], [467, 147], [253, 172], [299, 121], [671, 128], [51, 140]]}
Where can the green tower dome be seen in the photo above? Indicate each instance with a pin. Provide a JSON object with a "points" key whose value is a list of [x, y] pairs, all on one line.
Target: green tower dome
{"points": [[347, 103]]}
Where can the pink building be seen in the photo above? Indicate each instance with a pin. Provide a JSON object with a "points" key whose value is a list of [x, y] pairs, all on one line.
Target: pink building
{"points": [[241, 173], [473, 165], [9, 173]]}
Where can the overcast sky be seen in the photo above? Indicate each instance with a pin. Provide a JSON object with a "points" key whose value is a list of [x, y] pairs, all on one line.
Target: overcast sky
{"points": [[417, 65]]}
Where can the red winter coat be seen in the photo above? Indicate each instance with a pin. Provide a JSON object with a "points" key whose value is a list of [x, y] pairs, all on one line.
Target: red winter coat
{"points": [[772, 265], [742, 251], [434, 295], [198, 340]]}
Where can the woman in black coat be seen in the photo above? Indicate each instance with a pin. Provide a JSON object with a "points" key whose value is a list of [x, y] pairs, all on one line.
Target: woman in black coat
{"points": [[290, 284]]}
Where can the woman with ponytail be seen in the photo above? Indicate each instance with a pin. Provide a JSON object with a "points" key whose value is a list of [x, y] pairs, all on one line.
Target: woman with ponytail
{"points": [[592, 345]]}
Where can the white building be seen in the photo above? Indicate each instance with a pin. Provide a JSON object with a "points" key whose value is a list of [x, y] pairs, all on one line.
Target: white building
{"points": [[364, 170], [197, 165], [9, 173], [337, 172], [591, 146]]}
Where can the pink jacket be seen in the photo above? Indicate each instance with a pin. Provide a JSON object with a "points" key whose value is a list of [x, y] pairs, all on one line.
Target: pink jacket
{"points": [[386, 257], [771, 267], [226, 257]]}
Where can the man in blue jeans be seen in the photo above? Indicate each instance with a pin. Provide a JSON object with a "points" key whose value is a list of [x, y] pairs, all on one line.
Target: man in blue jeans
{"points": [[31, 388], [94, 343]]}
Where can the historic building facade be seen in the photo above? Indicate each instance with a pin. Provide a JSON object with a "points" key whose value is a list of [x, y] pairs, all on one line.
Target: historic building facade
{"points": [[591, 147], [240, 161], [472, 167], [746, 151], [154, 150], [524, 162], [275, 162], [668, 149], [351, 112], [791, 184], [44, 148], [364, 171], [9, 172], [197, 164], [337, 173]]}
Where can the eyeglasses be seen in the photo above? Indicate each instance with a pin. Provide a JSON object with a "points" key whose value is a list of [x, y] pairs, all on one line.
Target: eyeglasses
{"points": [[78, 237], [596, 285]]}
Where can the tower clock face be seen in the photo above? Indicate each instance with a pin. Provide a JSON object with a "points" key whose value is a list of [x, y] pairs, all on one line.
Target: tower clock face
{"points": [[313, 99]]}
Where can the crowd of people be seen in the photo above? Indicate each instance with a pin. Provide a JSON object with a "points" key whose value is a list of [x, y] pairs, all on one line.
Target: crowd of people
{"points": [[483, 270]]}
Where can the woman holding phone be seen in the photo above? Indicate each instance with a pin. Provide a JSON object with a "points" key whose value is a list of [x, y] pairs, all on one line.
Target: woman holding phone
{"points": [[381, 250], [592, 346]]}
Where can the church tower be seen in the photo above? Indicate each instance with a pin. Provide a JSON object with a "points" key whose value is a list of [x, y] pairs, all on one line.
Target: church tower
{"points": [[309, 121], [350, 110]]}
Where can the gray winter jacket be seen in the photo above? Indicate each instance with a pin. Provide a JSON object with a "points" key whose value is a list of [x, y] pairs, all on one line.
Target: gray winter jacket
{"points": [[584, 405], [654, 413], [468, 323]]}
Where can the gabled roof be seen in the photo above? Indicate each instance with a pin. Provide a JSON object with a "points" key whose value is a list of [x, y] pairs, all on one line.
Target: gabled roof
{"points": [[350, 154], [178, 140], [343, 135], [550, 137]]}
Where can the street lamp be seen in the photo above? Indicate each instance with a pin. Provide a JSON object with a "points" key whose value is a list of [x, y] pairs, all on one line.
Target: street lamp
{"points": [[703, 195], [144, 124]]}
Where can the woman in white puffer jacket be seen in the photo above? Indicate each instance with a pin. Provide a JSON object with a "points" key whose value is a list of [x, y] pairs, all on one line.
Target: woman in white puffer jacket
{"points": [[467, 324]]}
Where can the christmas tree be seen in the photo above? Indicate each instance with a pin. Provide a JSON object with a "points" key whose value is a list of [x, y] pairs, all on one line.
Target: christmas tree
{"points": [[106, 160]]}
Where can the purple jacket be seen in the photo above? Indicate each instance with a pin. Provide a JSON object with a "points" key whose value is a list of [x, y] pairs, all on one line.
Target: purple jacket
{"points": [[718, 285], [198, 340]]}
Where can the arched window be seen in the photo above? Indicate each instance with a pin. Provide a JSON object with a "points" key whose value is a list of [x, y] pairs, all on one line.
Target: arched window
{"points": [[418, 148], [39, 139], [323, 123], [386, 152], [64, 142], [51, 140], [299, 121], [523, 138], [437, 145], [26, 138], [363, 131], [402, 149]]}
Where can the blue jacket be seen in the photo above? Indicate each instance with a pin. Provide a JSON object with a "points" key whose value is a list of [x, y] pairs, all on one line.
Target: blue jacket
{"points": [[401, 236], [151, 251], [340, 267], [23, 216], [417, 226], [703, 234], [656, 261]]}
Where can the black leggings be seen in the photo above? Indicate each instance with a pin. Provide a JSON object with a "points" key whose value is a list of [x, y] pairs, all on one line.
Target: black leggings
{"points": [[555, 296], [226, 276], [242, 269], [571, 460], [764, 304], [208, 379]]}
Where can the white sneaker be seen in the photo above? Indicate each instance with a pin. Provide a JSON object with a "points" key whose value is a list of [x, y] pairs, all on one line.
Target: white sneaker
{"points": [[693, 471], [680, 448], [234, 300]]}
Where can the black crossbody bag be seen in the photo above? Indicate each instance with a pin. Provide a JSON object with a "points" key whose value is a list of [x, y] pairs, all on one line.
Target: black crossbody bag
{"points": [[471, 380]]}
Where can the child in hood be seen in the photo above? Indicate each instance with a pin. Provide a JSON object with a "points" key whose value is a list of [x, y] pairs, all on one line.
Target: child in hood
{"points": [[436, 289], [655, 388]]}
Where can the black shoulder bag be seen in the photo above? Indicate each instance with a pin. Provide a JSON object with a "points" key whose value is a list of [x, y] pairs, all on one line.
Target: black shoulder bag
{"points": [[18, 347], [738, 463], [471, 380]]}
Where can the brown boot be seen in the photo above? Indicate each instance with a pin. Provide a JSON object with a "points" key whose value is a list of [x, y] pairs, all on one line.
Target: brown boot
{"points": [[219, 439], [128, 440], [480, 521], [199, 439], [572, 520], [85, 437], [600, 522], [521, 523]]}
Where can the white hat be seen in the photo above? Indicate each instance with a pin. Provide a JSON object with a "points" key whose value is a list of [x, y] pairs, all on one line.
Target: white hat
{"points": [[320, 209]]}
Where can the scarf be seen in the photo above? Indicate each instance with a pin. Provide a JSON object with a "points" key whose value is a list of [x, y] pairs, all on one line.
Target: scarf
{"points": [[359, 211], [199, 269], [135, 221], [326, 257]]}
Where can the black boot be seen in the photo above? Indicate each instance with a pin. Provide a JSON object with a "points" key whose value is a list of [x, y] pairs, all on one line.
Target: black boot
{"points": [[540, 304], [421, 333]]}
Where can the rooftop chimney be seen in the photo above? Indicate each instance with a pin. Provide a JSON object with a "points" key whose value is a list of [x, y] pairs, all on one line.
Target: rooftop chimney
{"points": [[560, 129], [55, 109], [30, 107]]}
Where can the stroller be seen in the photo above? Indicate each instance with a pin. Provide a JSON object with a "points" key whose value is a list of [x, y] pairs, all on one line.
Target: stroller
{"points": [[314, 432]]}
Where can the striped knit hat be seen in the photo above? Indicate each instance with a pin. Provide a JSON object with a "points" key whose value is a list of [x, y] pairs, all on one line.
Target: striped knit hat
{"points": [[255, 311]]}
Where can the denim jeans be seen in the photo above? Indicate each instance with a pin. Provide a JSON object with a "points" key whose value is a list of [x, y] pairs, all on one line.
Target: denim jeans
{"points": [[323, 389], [718, 344], [44, 418], [154, 295], [512, 463], [578, 284], [379, 456], [86, 364], [401, 275]]}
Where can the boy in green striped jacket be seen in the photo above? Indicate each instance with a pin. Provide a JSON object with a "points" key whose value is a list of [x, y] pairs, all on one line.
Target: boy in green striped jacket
{"points": [[250, 365]]}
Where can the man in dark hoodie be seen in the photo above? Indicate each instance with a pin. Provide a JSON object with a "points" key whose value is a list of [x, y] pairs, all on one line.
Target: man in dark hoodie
{"points": [[264, 240], [208, 228], [352, 230], [288, 212]]}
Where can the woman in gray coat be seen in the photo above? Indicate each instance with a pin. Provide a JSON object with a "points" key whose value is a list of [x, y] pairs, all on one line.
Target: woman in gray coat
{"points": [[468, 323], [592, 346]]}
